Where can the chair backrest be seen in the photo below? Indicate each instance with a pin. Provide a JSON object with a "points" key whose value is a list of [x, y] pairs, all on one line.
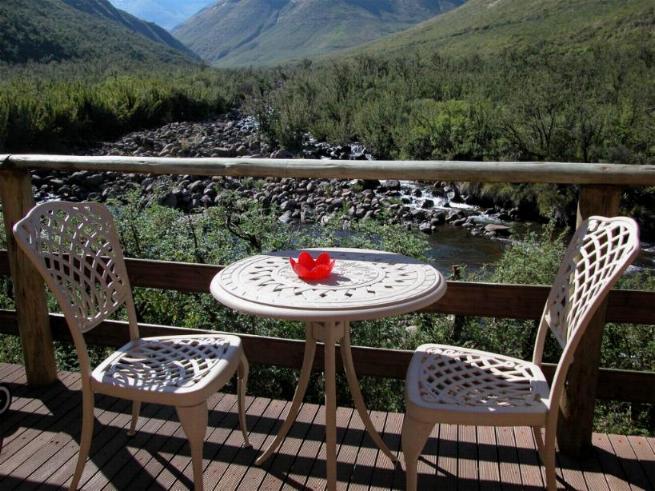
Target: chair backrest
{"points": [[600, 251], [76, 249]]}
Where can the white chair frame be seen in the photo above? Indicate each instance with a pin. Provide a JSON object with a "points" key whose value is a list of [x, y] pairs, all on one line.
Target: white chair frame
{"points": [[448, 384], [76, 249]]}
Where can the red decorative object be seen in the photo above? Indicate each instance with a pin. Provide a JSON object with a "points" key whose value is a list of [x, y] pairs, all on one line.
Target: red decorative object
{"points": [[308, 268]]}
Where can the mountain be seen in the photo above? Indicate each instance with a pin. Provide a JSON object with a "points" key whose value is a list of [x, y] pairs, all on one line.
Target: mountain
{"points": [[82, 30], [491, 26], [166, 13], [265, 32]]}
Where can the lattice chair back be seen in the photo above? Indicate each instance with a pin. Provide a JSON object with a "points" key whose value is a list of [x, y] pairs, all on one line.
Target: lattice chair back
{"points": [[76, 249], [600, 251]]}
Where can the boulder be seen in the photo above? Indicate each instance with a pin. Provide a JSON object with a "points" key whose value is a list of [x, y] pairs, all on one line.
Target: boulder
{"points": [[498, 230]]}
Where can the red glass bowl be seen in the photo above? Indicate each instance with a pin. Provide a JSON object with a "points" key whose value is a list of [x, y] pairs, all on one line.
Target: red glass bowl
{"points": [[308, 268]]}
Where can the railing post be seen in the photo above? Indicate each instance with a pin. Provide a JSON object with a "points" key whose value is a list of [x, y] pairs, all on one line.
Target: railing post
{"points": [[579, 400], [29, 290]]}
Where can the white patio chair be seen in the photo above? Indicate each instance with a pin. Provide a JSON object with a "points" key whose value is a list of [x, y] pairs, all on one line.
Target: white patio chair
{"points": [[447, 384], [76, 249]]}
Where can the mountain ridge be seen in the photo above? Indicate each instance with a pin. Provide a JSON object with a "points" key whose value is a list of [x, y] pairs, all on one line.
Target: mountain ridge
{"points": [[42, 31], [233, 33], [492, 26]]}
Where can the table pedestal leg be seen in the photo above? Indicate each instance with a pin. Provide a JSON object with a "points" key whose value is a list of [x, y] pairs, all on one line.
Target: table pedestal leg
{"points": [[298, 396], [330, 333], [330, 339], [358, 400]]}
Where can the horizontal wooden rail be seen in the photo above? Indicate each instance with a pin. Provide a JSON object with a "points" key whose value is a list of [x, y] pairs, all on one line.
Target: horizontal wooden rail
{"points": [[621, 385], [462, 298], [506, 172]]}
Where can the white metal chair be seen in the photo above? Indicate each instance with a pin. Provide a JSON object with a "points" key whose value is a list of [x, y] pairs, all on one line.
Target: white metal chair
{"points": [[447, 384], [76, 249]]}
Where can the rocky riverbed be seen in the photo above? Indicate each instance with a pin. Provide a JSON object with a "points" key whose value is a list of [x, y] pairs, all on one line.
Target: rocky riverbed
{"points": [[421, 206]]}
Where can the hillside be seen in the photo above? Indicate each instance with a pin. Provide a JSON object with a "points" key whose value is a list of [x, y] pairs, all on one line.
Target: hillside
{"points": [[266, 32], [82, 30], [165, 13], [491, 26]]}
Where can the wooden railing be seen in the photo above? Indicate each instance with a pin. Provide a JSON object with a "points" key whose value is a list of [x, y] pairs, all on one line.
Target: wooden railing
{"points": [[600, 186]]}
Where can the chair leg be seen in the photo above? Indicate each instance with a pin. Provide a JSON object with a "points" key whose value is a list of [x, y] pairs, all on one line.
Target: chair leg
{"points": [[194, 423], [86, 436], [136, 409], [414, 435], [548, 457], [242, 383]]}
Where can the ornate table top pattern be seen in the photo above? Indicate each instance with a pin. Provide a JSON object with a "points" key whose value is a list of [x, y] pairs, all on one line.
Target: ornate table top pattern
{"points": [[362, 280]]}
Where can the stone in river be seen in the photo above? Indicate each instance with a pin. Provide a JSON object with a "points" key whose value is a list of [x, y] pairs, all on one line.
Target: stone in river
{"points": [[498, 230], [392, 184], [286, 217], [425, 227]]}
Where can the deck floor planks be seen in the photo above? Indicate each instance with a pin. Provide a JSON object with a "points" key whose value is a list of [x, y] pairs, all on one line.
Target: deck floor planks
{"points": [[488, 469], [29, 414], [104, 435], [347, 452], [529, 462], [316, 478], [508, 459], [308, 453], [47, 424], [36, 425], [168, 462], [224, 456], [393, 430], [609, 463], [447, 457], [277, 467], [122, 456], [645, 455], [427, 462], [467, 458], [629, 462], [49, 457], [367, 453], [244, 460]]}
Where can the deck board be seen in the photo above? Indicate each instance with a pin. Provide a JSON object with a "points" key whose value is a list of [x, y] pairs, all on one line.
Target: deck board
{"points": [[41, 434]]}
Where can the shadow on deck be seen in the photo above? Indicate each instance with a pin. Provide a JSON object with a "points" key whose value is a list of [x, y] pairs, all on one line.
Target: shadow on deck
{"points": [[41, 432]]}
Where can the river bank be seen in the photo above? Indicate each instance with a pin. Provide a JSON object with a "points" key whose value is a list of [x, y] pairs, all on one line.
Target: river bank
{"points": [[420, 206]]}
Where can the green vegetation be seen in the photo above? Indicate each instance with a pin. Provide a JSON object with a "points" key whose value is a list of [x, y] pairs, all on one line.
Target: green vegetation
{"points": [[47, 110], [489, 27]]}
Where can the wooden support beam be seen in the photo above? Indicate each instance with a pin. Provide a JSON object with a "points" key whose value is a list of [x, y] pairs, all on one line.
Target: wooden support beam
{"points": [[503, 301], [617, 385], [28, 286], [418, 170], [576, 419]]}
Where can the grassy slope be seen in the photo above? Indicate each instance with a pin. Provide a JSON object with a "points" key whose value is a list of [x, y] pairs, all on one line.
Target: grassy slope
{"points": [[266, 32], [490, 26], [79, 30]]}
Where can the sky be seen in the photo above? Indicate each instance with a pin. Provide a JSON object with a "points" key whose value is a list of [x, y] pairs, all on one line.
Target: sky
{"points": [[166, 13]]}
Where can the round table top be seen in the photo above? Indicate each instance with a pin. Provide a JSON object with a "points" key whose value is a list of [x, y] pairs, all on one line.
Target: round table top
{"points": [[364, 284]]}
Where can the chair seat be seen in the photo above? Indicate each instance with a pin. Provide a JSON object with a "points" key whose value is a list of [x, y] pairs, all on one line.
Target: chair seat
{"points": [[176, 370], [464, 386]]}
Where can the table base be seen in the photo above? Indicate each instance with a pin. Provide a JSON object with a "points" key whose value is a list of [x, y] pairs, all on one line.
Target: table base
{"points": [[330, 333]]}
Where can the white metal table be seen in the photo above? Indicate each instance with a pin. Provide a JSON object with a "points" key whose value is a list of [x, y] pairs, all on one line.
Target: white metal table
{"points": [[364, 284]]}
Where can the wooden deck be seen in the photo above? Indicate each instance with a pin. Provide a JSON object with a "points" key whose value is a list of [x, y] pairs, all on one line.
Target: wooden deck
{"points": [[41, 434]]}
